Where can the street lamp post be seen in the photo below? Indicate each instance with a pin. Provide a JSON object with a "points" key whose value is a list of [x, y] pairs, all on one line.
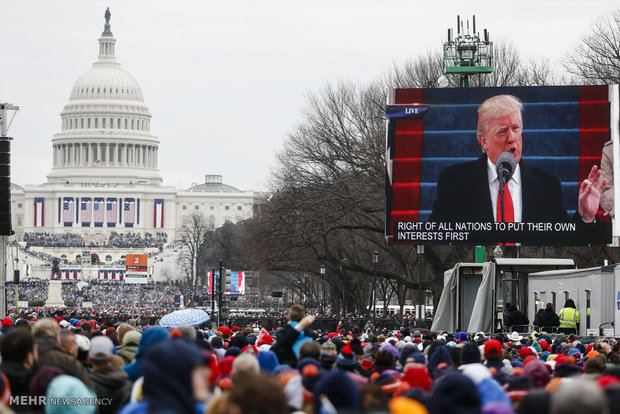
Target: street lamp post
{"points": [[323, 289], [375, 262], [422, 308]]}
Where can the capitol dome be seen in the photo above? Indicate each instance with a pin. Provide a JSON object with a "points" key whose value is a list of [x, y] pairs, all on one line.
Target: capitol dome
{"points": [[107, 81], [105, 124]]}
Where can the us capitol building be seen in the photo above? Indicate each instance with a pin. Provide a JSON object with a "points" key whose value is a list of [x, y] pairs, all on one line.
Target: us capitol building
{"points": [[104, 196]]}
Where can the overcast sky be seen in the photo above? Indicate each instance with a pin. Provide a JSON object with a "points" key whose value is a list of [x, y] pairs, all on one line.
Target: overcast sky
{"points": [[225, 81]]}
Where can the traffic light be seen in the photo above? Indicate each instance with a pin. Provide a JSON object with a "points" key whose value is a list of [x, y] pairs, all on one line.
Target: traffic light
{"points": [[5, 187], [227, 280], [16, 276]]}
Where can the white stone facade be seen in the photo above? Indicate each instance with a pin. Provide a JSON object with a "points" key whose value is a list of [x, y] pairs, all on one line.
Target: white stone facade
{"points": [[105, 175]]}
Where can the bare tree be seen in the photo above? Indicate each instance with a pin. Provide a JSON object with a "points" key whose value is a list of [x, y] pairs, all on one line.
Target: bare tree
{"points": [[193, 236], [597, 59], [327, 188]]}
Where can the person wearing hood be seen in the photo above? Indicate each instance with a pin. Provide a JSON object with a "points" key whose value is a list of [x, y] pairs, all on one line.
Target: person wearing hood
{"points": [[129, 347], [175, 379], [489, 389], [109, 381], [149, 337], [514, 317], [439, 362], [569, 318], [547, 318]]}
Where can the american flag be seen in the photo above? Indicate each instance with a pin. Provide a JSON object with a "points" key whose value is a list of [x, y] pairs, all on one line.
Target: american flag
{"points": [[111, 211], [67, 211], [96, 163], [130, 212], [159, 213], [39, 212], [98, 211], [85, 211]]}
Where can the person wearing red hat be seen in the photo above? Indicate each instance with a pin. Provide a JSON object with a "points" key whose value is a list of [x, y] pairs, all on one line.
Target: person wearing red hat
{"points": [[7, 323], [226, 332], [525, 352], [264, 338], [493, 354]]}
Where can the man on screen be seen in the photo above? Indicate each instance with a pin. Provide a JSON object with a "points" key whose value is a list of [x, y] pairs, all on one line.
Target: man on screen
{"points": [[469, 192]]}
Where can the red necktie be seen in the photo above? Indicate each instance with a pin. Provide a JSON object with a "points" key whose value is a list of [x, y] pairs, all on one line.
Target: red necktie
{"points": [[509, 212]]}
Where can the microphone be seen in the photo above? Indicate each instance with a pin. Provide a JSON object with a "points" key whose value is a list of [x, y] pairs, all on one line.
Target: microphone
{"points": [[505, 166]]}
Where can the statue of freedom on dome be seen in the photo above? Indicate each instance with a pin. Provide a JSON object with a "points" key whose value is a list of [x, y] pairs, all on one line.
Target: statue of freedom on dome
{"points": [[107, 15]]}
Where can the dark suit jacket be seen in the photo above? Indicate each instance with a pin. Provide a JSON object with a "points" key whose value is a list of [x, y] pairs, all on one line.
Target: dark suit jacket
{"points": [[463, 195]]}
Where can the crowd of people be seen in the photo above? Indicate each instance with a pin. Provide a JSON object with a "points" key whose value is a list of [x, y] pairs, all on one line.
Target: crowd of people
{"points": [[114, 239], [135, 240], [46, 239], [125, 297], [112, 367], [34, 291]]}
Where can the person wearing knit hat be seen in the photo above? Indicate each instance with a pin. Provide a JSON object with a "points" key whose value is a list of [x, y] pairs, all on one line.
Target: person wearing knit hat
{"points": [[439, 362], [405, 405], [174, 373], [576, 353], [129, 347], [391, 349], [150, 337], [264, 338], [336, 392], [535, 402], [455, 394], [346, 359], [538, 372], [517, 387], [240, 341], [390, 384], [416, 358], [470, 354], [526, 351], [226, 332], [268, 361]]}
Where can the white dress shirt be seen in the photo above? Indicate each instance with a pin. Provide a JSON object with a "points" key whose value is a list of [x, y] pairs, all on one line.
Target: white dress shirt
{"points": [[514, 186]]}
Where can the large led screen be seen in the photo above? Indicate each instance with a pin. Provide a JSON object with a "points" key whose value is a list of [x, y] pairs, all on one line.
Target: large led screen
{"points": [[448, 150]]}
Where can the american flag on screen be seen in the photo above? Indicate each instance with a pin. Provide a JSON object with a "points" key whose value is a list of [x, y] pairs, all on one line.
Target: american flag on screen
{"points": [[67, 211], [85, 212], [129, 208], [111, 211], [98, 212]]}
